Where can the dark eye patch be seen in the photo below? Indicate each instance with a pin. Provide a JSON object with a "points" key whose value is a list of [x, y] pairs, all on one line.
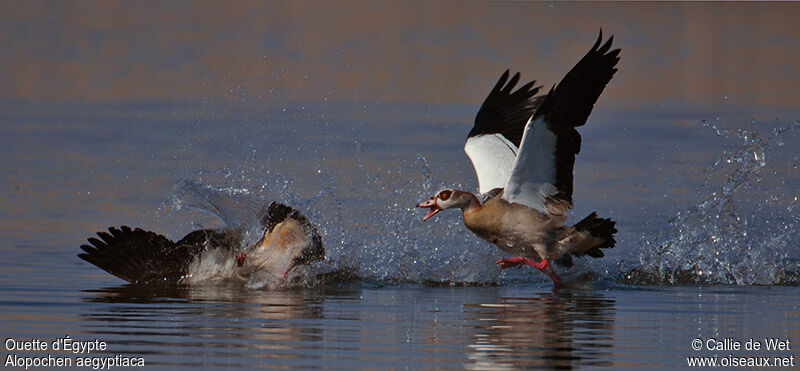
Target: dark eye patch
{"points": [[445, 195]]}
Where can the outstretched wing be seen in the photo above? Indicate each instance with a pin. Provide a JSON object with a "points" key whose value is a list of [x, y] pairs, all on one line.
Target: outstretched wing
{"points": [[136, 255], [493, 142], [542, 174]]}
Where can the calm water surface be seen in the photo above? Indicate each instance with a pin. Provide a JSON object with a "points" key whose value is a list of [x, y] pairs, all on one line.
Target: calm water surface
{"points": [[368, 325], [692, 149]]}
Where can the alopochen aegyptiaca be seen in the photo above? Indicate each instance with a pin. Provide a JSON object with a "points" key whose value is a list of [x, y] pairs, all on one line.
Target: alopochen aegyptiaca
{"points": [[289, 240], [523, 150]]}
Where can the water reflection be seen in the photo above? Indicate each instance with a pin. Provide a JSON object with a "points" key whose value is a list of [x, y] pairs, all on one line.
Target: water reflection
{"points": [[213, 325], [550, 330]]}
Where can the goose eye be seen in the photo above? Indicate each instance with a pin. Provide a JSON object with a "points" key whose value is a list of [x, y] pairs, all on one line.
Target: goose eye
{"points": [[444, 195]]}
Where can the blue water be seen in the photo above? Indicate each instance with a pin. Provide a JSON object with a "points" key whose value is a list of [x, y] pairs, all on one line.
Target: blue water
{"points": [[692, 149], [429, 294]]}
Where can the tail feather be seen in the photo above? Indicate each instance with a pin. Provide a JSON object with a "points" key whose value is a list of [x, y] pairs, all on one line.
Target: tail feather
{"points": [[601, 228], [136, 255]]}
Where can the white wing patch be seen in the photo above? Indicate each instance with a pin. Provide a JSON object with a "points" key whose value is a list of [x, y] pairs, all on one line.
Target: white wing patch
{"points": [[492, 156], [533, 176]]}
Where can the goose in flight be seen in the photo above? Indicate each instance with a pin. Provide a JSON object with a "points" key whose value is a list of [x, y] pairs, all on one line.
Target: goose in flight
{"points": [[523, 150], [287, 240]]}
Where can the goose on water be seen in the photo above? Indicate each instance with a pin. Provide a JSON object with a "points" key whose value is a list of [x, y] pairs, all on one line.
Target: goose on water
{"points": [[287, 241], [523, 149]]}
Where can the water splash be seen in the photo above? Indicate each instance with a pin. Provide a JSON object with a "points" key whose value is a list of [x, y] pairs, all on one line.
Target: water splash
{"points": [[237, 208], [374, 231], [745, 232], [393, 243]]}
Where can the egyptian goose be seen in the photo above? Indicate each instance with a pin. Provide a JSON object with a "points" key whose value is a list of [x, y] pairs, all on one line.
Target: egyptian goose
{"points": [[289, 240], [523, 150]]}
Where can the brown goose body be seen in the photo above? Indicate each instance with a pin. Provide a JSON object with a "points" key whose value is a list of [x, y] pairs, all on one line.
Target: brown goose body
{"points": [[524, 231]]}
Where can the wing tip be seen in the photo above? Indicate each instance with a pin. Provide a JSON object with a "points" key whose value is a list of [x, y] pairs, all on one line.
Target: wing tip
{"points": [[501, 82], [606, 46], [599, 40], [506, 110]]}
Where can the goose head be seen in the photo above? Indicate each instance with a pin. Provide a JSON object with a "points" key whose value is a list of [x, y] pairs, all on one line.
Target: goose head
{"points": [[447, 199]]}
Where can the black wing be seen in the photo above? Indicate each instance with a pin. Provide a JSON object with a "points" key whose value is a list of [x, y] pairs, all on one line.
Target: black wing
{"points": [[140, 256], [569, 104], [506, 113]]}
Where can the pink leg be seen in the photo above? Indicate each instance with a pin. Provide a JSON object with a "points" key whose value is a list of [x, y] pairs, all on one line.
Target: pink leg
{"points": [[283, 277], [543, 265], [553, 276]]}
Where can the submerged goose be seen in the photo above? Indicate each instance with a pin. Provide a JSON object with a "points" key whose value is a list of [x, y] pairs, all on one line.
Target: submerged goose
{"points": [[523, 150], [289, 240]]}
